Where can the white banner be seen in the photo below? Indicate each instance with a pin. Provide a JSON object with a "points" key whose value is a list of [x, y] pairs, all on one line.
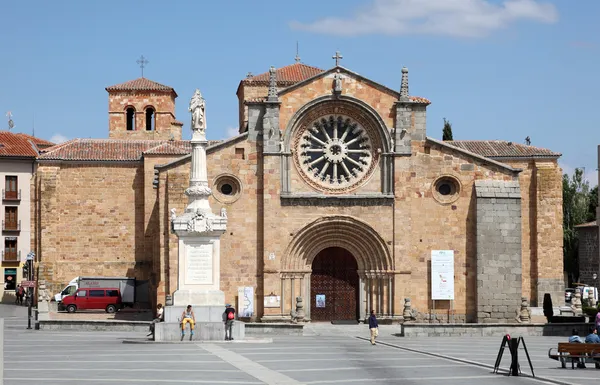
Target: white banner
{"points": [[442, 274], [245, 301]]}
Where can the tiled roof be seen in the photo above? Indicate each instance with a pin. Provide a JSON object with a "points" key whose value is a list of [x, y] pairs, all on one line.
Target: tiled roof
{"points": [[180, 147], [141, 84], [117, 150], [19, 145], [502, 149], [416, 99], [39, 142], [286, 76]]}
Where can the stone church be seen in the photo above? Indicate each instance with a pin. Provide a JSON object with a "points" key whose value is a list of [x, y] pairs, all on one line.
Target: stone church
{"points": [[333, 190]]}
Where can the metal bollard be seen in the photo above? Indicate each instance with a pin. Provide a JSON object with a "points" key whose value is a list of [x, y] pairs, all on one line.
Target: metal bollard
{"points": [[1, 351]]}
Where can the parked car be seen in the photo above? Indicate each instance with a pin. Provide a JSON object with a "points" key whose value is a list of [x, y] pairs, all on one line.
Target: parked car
{"points": [[96, 298], [569, 293]]}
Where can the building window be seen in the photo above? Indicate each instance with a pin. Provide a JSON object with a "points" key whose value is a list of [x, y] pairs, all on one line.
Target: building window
{"points": [[10, 249], [150, 119], [228, 188], [130, 119], [11, 218], [446, 189], [10, 185], [10, 279]]}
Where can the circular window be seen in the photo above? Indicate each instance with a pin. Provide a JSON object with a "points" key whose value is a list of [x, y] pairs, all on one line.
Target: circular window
{"points": [[335, 149], [446, 189], [227, 188]]}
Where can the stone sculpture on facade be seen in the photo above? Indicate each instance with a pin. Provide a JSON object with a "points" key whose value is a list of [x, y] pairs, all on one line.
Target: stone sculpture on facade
{"points": [[576, 303], [524, 313], [197, 106], [298, 315], [223, 212], [173, 214], [591, 299], [409, 313], [337, 83]]}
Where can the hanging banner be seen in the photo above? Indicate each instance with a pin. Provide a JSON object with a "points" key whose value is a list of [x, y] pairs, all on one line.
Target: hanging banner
{"points": [[442, 274], [245, 301]]}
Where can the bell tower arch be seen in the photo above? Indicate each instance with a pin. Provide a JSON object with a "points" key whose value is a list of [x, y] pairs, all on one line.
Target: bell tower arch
{"points": [[142, 109]]}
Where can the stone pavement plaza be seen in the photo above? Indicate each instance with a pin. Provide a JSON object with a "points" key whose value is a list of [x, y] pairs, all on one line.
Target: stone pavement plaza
{"points": [[327, 355]]}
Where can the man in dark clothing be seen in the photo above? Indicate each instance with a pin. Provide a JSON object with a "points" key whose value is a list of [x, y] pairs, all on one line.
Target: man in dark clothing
{"points": [[229, 317], [373, 326]]}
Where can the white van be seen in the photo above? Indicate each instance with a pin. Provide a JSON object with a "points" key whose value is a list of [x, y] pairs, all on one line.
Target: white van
{"points": [[71, 288]]}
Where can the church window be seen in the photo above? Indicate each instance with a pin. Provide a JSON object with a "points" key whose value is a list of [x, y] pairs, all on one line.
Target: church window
{"points": [[334, 152], [130, 112], [227, 188], [446, 189], [150, 119]]}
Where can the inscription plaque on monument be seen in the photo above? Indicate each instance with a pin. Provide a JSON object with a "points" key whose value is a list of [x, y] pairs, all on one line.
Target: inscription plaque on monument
{"points": [[199, 265]]}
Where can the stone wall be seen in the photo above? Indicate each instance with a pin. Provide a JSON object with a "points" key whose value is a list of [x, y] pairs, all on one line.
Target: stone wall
{"points": [[163, 104], [498, 250], [549, 219], [589, 258], [92, 220], [489, 330]]}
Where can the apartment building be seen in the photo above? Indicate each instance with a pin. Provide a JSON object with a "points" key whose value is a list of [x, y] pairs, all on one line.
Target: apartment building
{"points": [[18, 153]]}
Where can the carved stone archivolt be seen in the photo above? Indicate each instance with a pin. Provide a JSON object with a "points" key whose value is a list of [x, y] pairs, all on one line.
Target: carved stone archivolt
{"points": [[336, 147], [360, 239]]}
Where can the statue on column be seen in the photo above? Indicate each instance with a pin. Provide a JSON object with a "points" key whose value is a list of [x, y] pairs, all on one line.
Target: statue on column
{"points": [[197, 105]]}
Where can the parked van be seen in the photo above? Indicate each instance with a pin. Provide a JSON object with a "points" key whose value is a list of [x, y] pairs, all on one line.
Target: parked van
{"points": [[96, 298]]}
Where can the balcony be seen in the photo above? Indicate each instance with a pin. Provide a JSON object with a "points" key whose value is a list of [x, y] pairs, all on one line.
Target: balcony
{"points": [[11, 257], [11, 226], [11, 195]]}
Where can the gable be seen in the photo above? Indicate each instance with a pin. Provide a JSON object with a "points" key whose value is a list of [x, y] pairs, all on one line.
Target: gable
{"points": [[379, 97]]}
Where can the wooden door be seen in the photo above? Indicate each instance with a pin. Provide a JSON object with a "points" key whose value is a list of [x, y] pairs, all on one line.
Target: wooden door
{"points": [[334, 286]]}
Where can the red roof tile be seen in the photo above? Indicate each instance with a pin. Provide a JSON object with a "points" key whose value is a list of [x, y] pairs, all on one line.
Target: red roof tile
{"points": [[39, 142], [141, 84], [502, 149], [286, 76], [179, 147], [117, 150], [20, 145]]}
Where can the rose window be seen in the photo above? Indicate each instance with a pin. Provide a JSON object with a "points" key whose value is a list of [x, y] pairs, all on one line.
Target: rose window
{"points": [[335, 152]]}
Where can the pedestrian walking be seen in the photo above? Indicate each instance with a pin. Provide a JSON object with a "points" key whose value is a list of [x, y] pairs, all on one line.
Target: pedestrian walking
{"points": [[373, 326]]}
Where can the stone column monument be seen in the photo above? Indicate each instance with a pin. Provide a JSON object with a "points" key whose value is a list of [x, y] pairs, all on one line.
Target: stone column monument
{"points": [[199, 232]]}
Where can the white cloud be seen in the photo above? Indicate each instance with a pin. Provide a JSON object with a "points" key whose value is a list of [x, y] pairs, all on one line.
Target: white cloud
{"points": [[58, 138], [459, 18], [231, 131]]}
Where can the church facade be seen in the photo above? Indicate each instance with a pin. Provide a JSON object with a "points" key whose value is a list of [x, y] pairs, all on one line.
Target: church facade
{"points": [[333, 192]]}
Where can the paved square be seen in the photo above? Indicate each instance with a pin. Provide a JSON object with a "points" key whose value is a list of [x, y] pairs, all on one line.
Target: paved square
{"points": [[331, 355]]}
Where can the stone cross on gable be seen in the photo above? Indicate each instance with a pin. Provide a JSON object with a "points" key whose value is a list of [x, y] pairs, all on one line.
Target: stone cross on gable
{"points": [[337, 58]]}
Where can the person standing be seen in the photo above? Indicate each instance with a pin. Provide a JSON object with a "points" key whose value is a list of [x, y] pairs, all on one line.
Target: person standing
{"points": [[229, 317], [373, 326]]}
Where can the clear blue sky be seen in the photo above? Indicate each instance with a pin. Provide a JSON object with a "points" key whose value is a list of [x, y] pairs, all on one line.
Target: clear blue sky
{"points": [[496, 69]]}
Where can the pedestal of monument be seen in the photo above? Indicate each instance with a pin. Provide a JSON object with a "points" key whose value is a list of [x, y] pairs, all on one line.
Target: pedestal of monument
{"points": [[199, 267]]}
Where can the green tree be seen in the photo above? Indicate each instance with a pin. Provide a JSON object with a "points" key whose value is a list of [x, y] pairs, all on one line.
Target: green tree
{"points": [[447, 132], [576, 202]]}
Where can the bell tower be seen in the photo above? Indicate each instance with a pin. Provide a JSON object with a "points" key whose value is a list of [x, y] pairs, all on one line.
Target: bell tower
{"points": [[142, 109]]}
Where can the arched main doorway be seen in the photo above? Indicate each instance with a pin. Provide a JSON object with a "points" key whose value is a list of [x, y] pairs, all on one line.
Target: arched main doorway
{"points": [[334, 286]]}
